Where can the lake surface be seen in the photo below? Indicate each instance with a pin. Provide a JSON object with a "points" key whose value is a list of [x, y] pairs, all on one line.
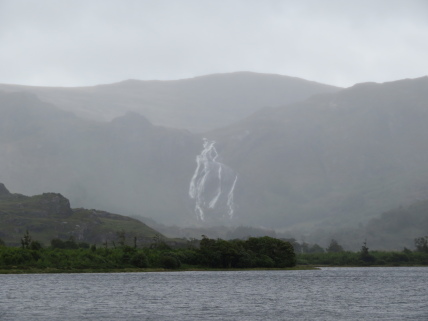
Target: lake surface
{"points": [[399, 293]]}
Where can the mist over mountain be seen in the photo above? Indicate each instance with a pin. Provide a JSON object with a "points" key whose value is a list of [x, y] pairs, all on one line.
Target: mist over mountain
{"points": [[198, 104], [331, 161], [334, 159], [128, 165]]}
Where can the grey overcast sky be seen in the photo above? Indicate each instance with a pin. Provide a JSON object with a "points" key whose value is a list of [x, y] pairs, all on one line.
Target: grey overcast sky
{"points": [[89, 42]]}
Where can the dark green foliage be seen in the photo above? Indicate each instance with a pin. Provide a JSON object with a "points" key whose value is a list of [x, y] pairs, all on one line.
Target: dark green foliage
{"points": [[255, 252], [35, 245], [407, 251], [83, 245], [2, 243], [189, 256], [364, 258], [57, 244], [315, 249], [139, 260], [69, 244], [334, 247], [15, 256], [264, 252], [281, 252], [169, 262], [26, 240], [421, 244], [219, 253], [159, 243]]}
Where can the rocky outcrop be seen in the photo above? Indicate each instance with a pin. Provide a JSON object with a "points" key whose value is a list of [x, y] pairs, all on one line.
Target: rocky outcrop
{"points": [[55, 205], [49, 216], [4, 192]]}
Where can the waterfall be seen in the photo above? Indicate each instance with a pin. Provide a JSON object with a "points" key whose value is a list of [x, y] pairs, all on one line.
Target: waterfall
{"points": [[212, 184]]}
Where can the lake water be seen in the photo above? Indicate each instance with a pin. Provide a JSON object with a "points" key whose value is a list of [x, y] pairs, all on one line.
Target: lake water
{"points": [[399, 293]]}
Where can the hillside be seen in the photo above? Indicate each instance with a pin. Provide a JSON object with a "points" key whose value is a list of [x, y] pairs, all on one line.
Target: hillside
{"points": [[125, 166], [49, 216], [392, 230], [197, 104], [332, 160]]}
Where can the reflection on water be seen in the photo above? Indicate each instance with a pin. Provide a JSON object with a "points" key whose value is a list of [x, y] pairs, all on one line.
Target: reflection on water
{"points": [[327, 294]]}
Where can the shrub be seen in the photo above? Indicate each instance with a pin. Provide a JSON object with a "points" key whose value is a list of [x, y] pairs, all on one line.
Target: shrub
{"points": [[139, 260], [169, 262]]}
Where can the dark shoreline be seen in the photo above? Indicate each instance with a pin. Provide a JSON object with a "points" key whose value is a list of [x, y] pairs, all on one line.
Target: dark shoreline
{"points": [[143, 270], [148, 270]]}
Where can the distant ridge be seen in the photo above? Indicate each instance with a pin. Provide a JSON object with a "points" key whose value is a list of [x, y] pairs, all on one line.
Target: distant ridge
{"points": [[332, 160], [198, 104]]}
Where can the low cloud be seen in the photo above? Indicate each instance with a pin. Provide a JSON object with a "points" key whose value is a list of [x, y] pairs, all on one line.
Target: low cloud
{"points": [[60, 43]]}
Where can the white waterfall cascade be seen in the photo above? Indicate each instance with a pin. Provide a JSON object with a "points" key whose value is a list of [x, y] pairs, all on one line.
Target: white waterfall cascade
{"points": [[212, 184]]}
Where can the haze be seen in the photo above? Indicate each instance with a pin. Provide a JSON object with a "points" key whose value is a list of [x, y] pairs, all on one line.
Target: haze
{"points": [[80, 43], [222, 114]]}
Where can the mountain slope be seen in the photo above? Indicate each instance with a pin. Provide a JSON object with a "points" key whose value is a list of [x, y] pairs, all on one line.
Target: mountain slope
{"points": [[126, 166], [198, 104], [334, 159], [49, 216], [392, 230]]}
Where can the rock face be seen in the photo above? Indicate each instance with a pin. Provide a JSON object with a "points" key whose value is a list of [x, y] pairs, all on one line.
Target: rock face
{"points": [[55, 205], [3, 190]]}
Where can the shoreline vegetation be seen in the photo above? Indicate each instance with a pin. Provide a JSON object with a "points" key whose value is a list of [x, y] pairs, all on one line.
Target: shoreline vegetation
{"points": [[255, 253], [69, 256], [145, 270], [187, 269]]}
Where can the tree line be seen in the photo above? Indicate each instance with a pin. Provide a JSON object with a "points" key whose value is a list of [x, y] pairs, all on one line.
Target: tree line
{"points": [[335, 255], [256, 252]]}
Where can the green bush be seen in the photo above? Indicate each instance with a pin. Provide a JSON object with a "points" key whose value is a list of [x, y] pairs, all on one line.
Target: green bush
{"points": [[169, 262], [139, 260]]}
